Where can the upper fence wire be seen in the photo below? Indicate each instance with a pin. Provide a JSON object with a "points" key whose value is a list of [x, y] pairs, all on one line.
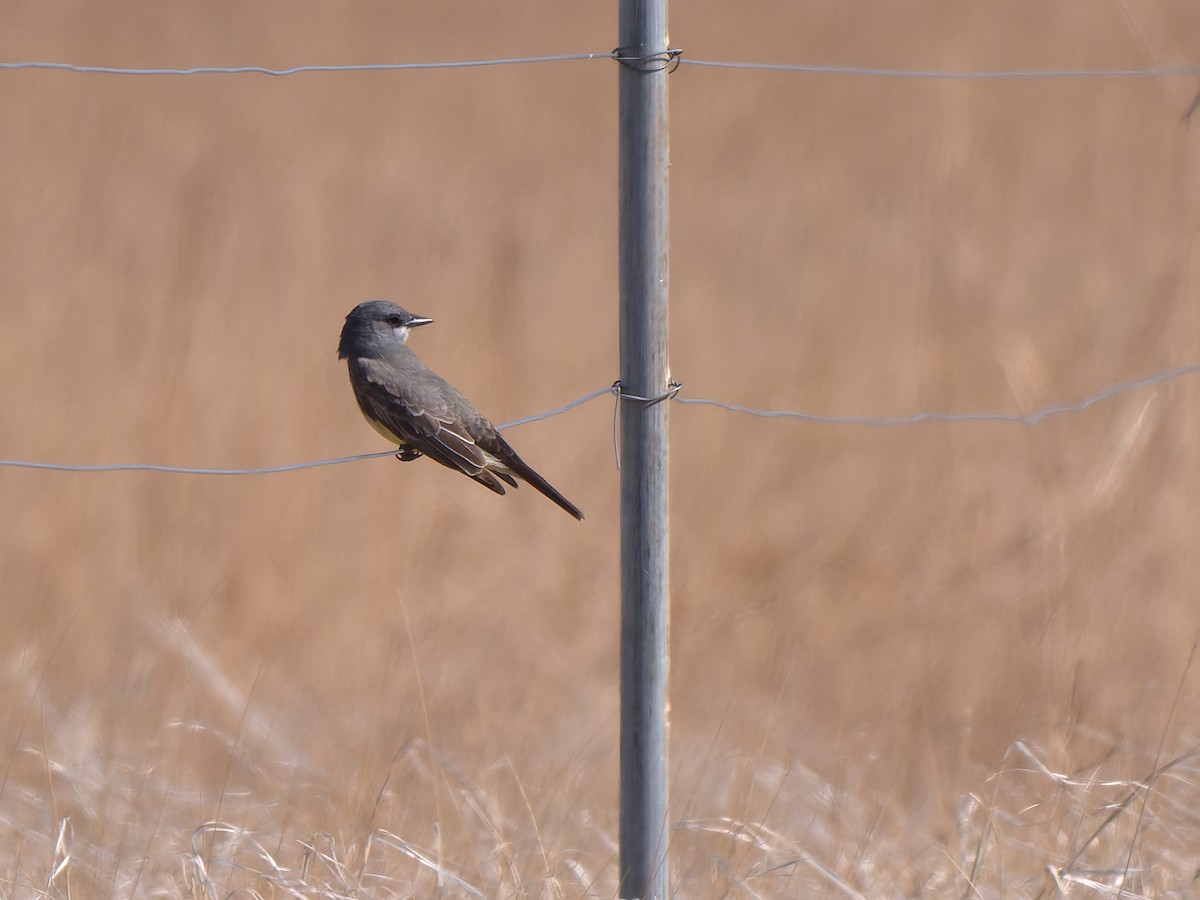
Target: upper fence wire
{"points": [[678, 58]]}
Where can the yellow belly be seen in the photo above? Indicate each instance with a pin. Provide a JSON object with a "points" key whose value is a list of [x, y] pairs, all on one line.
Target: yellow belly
{"points": [[382, 429]]}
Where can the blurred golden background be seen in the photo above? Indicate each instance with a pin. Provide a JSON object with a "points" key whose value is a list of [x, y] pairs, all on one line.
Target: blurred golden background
{"points": [[383, 679]]}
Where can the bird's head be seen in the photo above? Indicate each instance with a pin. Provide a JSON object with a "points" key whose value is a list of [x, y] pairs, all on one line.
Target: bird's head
{"points": [[375, 325]]}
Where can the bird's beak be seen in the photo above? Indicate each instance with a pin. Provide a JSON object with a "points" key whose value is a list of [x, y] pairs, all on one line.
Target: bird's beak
{"points": [[417, 320]]}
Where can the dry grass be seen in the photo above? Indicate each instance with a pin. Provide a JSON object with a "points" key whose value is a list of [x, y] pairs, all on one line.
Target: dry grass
{"points": [[939, 660]]}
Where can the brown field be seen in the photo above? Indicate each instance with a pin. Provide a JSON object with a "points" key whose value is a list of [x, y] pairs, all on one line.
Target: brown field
{"points": [[940, 659]]}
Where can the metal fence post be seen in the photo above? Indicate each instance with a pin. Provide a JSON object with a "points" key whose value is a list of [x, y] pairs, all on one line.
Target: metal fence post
{"points": [[645, 632]]}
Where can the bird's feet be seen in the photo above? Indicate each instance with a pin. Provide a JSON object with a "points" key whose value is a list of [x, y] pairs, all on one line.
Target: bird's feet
{"points": [[407, 454]]}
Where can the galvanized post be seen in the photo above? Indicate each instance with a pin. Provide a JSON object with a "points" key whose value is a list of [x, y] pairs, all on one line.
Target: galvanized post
{"points": [[645, 619]]}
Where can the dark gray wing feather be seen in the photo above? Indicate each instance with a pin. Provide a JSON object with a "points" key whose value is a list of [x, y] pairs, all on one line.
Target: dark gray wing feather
{"points": [[423, 420], [427, 414]]}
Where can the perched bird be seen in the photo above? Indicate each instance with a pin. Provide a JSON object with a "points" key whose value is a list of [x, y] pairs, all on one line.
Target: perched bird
{"points": [[419, 411]]}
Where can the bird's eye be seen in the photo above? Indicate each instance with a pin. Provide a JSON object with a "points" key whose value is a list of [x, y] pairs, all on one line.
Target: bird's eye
{"points": [[393, 321]]}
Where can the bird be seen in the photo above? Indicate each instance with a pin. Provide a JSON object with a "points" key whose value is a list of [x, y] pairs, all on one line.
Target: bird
{"points": [[422, 413]]}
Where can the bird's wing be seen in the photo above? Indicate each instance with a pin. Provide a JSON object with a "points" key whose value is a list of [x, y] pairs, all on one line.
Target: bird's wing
{"points": [[425, 423]]}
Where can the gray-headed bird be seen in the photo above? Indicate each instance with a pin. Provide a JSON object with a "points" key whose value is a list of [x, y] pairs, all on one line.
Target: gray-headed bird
{"points": [[419, 411]]}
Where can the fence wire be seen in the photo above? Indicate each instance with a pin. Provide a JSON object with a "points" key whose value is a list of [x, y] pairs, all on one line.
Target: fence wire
{"points": [[1027, 419], [678, 58], [297, 70]]}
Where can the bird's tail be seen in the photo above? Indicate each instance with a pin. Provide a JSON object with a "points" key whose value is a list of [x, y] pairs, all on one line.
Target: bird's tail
{"points": [[522, 470]]}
